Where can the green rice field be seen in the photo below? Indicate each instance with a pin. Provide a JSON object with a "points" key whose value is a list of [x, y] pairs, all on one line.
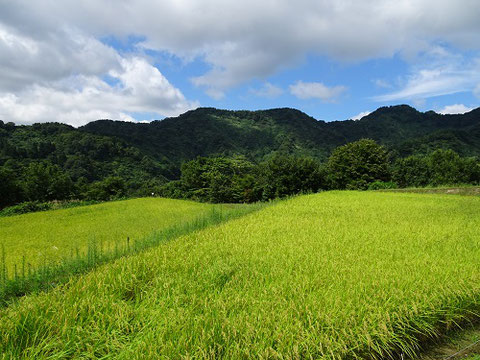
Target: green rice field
{"points": [[53, 235], [336, 275]]}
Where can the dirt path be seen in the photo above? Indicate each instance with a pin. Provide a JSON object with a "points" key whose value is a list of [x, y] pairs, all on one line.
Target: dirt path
{"points": [[461, 345], [468, 190]]}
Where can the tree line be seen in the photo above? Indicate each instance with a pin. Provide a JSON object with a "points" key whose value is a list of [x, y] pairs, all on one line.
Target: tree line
{"points": [[362, 164], [359, 165]]}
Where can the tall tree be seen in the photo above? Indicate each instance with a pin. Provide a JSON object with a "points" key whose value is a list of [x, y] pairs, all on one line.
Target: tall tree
{"points": [[357, 164]]}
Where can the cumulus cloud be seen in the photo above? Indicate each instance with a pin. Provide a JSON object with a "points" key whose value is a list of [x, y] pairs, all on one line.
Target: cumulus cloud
{"points": [[454, 109], [25, 59], [138, 87], [316, 90], [361, 115], [253, 39], [268, 91]]}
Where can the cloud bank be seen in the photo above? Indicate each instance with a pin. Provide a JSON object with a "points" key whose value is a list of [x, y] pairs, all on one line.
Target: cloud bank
{"points": [[55, 47], [316, 90]]}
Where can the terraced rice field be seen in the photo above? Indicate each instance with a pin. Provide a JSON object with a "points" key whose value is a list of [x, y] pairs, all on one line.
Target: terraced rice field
{"points": [[53, 235], [337, 275]]}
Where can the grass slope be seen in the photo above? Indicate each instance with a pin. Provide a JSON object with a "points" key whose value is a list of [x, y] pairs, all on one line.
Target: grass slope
{"points": [[53, 235], [336, 275]]}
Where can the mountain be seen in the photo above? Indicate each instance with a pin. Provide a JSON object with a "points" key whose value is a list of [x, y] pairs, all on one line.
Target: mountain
{"points": [[256, 134], [107, 147]]}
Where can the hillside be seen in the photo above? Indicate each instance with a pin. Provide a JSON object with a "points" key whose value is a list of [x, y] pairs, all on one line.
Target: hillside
{"points": [[112, 159], [208, 131], [107, 147]]}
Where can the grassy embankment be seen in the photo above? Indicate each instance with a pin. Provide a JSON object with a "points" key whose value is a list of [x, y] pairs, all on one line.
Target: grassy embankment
{"points": [[337, 275]]}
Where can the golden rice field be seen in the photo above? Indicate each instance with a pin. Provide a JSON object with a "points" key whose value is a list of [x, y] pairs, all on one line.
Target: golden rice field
{"points": [[337, 275]]}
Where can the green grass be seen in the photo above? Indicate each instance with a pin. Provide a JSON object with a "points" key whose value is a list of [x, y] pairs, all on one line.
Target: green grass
{"points": [[338, 275]]}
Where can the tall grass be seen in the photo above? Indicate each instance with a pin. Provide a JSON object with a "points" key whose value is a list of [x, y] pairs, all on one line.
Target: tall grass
{"points": [[339, 275]]}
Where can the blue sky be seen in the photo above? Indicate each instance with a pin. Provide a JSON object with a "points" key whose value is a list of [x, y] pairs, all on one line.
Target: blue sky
{"points": [[76, 62]]}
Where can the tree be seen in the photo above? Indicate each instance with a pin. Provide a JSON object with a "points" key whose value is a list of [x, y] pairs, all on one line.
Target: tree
{"points": [[412, 171], [284, 175], [44, 181], [110, 188], [217, 179], [446, 168], [357, 164], [9, 189]]}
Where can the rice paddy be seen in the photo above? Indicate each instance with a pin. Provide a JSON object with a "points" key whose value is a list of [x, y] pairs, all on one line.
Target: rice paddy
{"points": [[337, 275], [53, 235]]}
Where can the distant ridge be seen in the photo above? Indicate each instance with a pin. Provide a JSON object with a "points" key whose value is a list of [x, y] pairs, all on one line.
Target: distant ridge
{"points": [[252, 134], [210, 131]]}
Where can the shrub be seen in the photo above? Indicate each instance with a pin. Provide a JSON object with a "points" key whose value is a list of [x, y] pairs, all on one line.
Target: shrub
{"points": [[381, 185]]}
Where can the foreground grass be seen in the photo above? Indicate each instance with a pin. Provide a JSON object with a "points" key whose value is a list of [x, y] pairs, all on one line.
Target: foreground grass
{"points": [[337, 275], [52, 236]]}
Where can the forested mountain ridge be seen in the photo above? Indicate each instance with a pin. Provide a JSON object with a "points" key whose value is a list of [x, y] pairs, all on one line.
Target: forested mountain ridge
{"points": [[255, 134], [106, 158], [164, 145]]}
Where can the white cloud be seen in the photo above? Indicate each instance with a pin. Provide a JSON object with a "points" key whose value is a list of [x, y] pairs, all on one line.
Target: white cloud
{"points": [[382, 83], [361, 115], [455, 109], [140, 87], [476, 91], [243, 40], [316, 90], [26, 60], [268, 91], [438, 73]]}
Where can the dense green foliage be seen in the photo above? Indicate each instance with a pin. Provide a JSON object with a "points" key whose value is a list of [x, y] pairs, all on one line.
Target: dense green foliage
{"points": [[441, 167], [358, 164], [224, 180], [338, 275], [111, 159]]}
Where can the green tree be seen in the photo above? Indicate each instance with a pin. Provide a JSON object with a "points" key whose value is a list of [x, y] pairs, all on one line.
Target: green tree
{"points": [[446, 168], [110, 188], [10, 192], [284, 175], [412, 171], [357, 164], [217, 179], [44, 181]]}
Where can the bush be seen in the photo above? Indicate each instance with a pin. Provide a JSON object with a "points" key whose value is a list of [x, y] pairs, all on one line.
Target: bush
{"points": [[26, 207]]}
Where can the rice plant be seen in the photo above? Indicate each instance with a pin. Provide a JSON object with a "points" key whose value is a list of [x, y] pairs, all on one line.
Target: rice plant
{"points": [[24, 278], [337, 275]]}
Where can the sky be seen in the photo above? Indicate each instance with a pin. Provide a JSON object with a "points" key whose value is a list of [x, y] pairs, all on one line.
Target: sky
{"points": [[76, 61]]}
